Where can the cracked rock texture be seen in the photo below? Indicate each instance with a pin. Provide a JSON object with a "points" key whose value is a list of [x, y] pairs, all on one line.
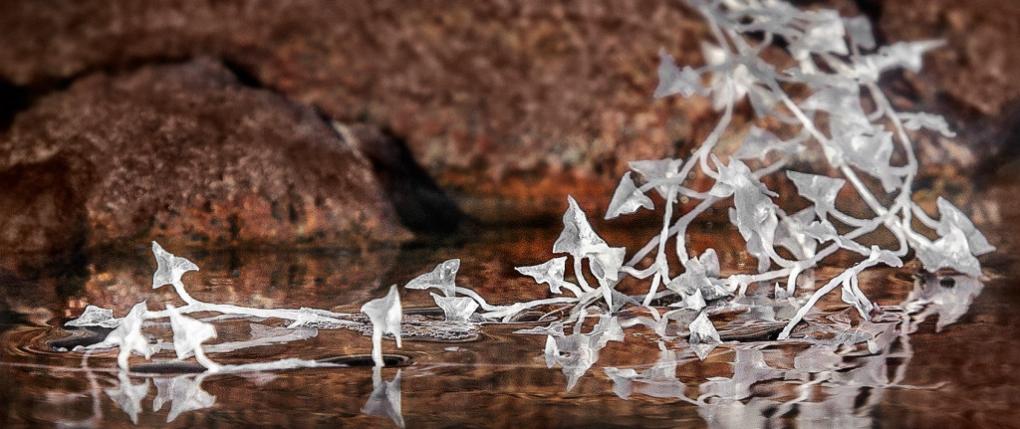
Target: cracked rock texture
{"points": [[186, 155], [507, 105]]}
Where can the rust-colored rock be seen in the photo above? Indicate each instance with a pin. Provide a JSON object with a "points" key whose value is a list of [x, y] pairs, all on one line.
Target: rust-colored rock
{"points": [[508, 105], [187, 155]]}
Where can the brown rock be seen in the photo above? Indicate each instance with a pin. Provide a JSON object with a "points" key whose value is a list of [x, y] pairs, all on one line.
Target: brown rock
{"points": [[495, 99], [187, 155], [508, 105]]}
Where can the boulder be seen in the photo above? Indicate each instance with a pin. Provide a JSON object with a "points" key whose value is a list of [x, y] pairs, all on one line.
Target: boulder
{"points": [[187, 155]]}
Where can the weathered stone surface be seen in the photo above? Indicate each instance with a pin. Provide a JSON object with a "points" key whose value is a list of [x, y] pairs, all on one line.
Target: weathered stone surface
{"points": [[187, 155], [508, 105]]}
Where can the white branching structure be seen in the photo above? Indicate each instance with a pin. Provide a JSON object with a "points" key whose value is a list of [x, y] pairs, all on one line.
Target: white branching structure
{"points": [[836, 63]]}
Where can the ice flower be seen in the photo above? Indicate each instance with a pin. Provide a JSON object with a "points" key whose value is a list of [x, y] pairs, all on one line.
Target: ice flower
{"points": [[385, 314], [820, 190], [758, 143], [918, 120], [442, 277], [580, 241], [672, 80], [550, 272], [952, 217], [823, 33], [658, 170], [456, 309], [128, 336], [950, 251], [189, 334], [627, 199], [791, 234], [703, 337], [701, 277], [95, 316], [169, 268]]}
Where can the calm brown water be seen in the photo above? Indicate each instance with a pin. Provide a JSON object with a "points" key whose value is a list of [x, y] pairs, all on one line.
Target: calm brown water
{"points": [[967, 375]]}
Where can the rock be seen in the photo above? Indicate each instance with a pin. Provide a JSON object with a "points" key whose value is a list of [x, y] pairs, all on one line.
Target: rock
{"points": [[498, 101], [508, 106], [186, 155]]}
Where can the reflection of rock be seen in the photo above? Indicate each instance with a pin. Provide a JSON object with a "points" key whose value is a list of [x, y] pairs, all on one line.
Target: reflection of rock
{"points": [[187, 153]]}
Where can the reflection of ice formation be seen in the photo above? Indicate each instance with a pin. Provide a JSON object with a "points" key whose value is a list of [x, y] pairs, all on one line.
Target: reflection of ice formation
{"points": [[847, 366], [385, 398]]}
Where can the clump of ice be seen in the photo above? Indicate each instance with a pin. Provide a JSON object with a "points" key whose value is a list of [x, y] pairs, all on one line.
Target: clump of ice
{"points": [[385, 314]]}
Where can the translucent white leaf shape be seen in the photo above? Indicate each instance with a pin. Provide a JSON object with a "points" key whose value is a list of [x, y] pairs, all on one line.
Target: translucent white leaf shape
{"points": [[128, 336], [169, 268], [385, 398], [916, 121], [456, 309], [949, 303], [700, 279], [908, 55], [729, 84], [627, 199], [189, 334], [672, 80], [824, 33], [95, 316], [758, 143], [550, 272], [657, 169], [606, 263], [820, 190], [442, 277], [703, 337], [128, 397], [790, 233], [950, 217], [184, 393], [950, 251], [385, 314], [860, 32], [578, 238]]}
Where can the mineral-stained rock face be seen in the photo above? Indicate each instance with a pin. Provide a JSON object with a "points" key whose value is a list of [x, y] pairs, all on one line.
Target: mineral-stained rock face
{"points": [[525, 101], [508, 105], [187, 155]]}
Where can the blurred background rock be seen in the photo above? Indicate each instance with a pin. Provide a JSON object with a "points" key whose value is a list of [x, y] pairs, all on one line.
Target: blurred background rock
{"points": [[314, 123]]}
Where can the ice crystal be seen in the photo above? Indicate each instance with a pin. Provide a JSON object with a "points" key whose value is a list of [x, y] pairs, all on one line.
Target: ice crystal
{"points": [[128, 336], [385, 314], [95, 316], [442, 277], [189, 334]]}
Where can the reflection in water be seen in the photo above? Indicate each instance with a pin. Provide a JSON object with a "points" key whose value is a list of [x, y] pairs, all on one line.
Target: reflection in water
{"points": [[385, 398], [184, 392], [837, 371]]}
